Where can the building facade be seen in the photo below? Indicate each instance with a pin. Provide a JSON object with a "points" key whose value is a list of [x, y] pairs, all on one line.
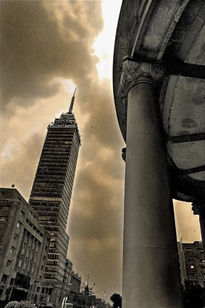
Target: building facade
{"points": [[23, 249], [66, 285], [192, 263], [51, 194], [75, 283]]}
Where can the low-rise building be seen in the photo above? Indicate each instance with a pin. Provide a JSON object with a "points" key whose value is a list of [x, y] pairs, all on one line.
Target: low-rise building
{"points": [[75, 282], [74, 289], [192, 263], [23, 248], [66, 283]]}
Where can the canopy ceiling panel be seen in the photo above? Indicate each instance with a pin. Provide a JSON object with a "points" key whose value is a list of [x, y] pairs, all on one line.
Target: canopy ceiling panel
{"points": [[172, 32]]}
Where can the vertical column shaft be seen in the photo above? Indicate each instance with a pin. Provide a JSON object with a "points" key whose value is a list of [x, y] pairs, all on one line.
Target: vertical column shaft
{"points": [[150, 260]]}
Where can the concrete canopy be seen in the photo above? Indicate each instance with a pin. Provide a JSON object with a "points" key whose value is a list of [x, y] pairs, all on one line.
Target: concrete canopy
{"points": [[172, 32]]}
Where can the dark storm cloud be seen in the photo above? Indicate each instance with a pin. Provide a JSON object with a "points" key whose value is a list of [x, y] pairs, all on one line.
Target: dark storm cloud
{"points": [[43, 40], [95, 189], [19, 167]]}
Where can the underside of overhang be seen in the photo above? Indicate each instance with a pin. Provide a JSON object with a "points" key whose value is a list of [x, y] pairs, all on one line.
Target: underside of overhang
{"points": [[172, 32]]}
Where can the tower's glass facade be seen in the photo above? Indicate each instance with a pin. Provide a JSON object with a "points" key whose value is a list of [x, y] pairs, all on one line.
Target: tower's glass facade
{"points": [[51, 194]]}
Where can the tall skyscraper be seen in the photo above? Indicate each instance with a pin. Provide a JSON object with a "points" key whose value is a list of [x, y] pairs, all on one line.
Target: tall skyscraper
{"points": [[51, 194]]}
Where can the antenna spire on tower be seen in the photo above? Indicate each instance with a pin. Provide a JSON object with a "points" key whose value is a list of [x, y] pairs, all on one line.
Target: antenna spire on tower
{"points": [[72, 102]]}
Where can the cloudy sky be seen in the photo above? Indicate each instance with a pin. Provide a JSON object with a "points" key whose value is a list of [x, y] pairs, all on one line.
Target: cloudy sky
{"points": [[48, 48]]}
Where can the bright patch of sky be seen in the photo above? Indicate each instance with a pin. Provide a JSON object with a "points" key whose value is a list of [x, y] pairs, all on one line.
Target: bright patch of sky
{"points": [[104, 44]]}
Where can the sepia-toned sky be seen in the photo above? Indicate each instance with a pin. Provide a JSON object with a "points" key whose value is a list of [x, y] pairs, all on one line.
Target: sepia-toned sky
{"points": [[48, 48]]}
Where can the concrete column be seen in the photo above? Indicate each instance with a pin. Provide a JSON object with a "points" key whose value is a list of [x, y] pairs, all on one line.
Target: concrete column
{"points": [[150, 260]]}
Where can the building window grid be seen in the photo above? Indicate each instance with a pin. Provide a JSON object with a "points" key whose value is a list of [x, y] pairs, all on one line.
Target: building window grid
{"points": [[68, 188]]}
